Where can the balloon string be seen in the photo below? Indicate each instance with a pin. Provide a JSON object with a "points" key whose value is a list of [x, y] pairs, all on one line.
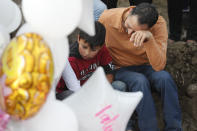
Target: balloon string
{"points": [[4, 119]]}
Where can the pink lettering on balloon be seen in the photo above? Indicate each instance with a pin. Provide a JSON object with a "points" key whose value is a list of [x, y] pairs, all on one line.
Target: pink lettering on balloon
{"points": [[104, 109], [105, 118]]}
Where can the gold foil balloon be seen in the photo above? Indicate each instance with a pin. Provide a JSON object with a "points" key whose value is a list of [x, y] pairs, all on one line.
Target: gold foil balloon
{"points": [[26, 74]]}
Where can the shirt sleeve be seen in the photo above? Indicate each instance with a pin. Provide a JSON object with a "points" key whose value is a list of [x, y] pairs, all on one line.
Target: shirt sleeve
{"points": [[70, 78], [156, 47], [102, 18]]}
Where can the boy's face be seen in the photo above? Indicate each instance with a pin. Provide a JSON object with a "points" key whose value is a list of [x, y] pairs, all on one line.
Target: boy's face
{"points": [[85, 51]]}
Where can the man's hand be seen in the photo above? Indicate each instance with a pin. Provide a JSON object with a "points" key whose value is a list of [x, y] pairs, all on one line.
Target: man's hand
{"points": [[139, 37]]}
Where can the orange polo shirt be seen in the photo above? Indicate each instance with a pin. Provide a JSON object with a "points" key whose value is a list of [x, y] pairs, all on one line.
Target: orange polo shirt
{"points": [[123, 51]]}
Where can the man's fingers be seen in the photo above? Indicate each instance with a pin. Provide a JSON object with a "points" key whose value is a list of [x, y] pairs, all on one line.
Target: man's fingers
{"points": [[138, 39], [135, 40], [133, 37]]}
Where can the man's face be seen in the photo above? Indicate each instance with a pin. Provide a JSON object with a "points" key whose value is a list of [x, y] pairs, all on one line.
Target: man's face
{"points": [[85, 51], [132, 25]]}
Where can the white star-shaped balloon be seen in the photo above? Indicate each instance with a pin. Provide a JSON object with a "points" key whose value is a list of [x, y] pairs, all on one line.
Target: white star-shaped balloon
{"points": [[53, 18], [60, 17], [101, 108], [10, 15], [87, 18]]}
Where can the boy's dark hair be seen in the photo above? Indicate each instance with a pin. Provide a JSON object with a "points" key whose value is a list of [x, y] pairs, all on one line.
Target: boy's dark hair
{"points": [[147, 14], [98, 39]]}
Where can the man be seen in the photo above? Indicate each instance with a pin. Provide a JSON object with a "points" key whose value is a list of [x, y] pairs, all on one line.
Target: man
{"points": [[136, 38]]}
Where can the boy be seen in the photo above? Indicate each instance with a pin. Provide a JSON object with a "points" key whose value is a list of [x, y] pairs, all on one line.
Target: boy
{"points": [[87, 54]]}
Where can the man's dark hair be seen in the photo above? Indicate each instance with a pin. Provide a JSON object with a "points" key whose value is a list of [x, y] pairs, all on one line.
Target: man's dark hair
{"points": [[98, 39], [147, 14]]}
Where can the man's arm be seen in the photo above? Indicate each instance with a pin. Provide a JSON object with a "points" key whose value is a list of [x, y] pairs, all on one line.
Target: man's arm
{"points": [[109, 71], [155, 43], [106, 63], [156, 46]]}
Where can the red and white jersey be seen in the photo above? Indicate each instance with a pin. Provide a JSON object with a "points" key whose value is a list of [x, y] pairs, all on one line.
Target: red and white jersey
{"points": [[84, 68]]}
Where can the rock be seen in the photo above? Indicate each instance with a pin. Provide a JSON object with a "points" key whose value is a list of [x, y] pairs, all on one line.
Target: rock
{"points": [[192, 90]]}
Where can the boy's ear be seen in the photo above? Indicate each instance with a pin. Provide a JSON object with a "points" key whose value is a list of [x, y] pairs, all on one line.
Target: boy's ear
{"points": [[78, 38]]}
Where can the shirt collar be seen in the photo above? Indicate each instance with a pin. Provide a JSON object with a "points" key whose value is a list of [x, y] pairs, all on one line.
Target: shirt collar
{"points": [[118, 24]]}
